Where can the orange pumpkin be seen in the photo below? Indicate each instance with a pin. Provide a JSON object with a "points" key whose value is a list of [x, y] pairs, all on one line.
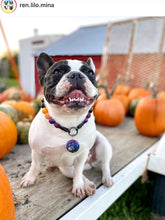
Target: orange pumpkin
{"points": [[138, 93], [109, 112], [102, 90], [102, 96], [8, 91], [26, 97], [8, 134], [122, 90], [161, 94], [150, 116], [2, 97], [14, 93], [124, 100], [24, 109], [7, 209]]}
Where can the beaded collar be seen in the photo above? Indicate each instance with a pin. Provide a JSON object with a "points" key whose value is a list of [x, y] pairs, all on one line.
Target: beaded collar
{"points": [[72, 145]]}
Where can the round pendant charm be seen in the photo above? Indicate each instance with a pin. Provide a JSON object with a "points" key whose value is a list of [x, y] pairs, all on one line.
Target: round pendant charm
{"points": [[72, 146], [73, 131]]}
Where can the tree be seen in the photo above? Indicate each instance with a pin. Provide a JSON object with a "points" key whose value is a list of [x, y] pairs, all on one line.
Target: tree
{"points": [[6, 69]]}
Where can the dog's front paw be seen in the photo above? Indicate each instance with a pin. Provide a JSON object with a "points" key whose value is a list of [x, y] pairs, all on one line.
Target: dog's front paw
{"points": [[78, 190], [90, 187], [27, 180], [107, 181]]}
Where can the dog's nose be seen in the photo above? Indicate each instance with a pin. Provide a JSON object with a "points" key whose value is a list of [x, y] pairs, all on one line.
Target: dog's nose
{"points": [[75, 75]]}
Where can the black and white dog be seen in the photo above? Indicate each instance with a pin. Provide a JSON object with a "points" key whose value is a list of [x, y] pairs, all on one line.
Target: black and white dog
{"points": [[68, 137]]}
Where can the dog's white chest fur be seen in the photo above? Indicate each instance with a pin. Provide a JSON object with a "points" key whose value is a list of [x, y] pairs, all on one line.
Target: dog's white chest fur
{"points": [[51, 142]]}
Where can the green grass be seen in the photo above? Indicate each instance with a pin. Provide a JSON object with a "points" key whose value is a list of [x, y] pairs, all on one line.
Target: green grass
{"points": [[9, 82], [134, 204]]}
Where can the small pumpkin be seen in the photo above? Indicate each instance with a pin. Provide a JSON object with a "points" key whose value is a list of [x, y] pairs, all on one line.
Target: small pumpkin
{"points": [[38, 99], [26, 97], [35, 105], [122, 90], [17, 94], [108, 111], [7, 209], [2, 97], [10, 111], [161, 94], [124, 100], [150, 115], [8, 134], [9, 91], [23, 108], [109, 94], [136, 93], [23, 131], [132, 106]]}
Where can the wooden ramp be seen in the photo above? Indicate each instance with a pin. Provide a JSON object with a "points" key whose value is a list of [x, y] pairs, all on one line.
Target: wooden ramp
{"points": [[51, 197]]}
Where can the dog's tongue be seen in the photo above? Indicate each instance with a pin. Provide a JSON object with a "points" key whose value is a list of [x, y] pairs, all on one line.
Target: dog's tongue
{"points": [[75, 94]]}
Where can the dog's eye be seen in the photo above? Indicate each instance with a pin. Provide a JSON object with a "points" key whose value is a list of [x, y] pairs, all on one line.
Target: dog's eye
{"points": [[57, 71], [90, 72]]}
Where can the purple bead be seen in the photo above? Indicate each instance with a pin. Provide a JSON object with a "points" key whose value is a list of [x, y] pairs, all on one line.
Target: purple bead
{"points": [[88, 115], [85, 121], [56, 125], [51, 121]]}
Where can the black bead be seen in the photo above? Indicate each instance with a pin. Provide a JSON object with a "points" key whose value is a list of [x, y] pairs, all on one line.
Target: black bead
{"points": [[43, 105]]}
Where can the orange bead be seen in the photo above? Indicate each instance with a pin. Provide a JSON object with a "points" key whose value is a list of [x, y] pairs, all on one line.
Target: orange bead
{"points": [[47, 116], [44, 110]]}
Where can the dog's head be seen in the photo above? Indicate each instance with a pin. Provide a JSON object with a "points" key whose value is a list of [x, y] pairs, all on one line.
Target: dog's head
{"points": [[70, 84]]}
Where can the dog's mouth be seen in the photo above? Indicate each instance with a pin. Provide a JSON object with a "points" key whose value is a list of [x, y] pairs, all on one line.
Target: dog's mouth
{"points": [[74, 99]]}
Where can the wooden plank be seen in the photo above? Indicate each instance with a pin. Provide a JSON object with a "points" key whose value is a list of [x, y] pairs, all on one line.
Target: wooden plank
{"points": [[51, 195], [92, 207], [127, 143]]}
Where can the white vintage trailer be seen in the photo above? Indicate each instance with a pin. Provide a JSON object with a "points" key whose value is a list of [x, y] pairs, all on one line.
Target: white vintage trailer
{"points": [[27, 47]]}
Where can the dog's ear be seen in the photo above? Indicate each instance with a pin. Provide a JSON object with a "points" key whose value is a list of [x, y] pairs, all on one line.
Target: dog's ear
{"points": [[91, 64], [43, 63]]}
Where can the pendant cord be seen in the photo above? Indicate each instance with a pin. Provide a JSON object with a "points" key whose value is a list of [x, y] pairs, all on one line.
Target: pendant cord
{"points": [[57, 125]]}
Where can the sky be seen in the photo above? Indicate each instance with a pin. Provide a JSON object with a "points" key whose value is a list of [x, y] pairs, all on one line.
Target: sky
{"points": [[24, 27], [68, 15]]}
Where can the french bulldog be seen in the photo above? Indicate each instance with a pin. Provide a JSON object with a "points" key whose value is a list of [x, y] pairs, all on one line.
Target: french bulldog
{"points": [[70, 90]]}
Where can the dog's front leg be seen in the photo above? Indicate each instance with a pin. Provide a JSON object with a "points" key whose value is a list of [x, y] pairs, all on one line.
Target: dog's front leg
{"points": [[81, 185], [34, 170], [104, 153]]}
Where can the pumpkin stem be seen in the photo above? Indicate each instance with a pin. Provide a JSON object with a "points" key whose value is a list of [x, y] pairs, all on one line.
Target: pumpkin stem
{"points": [[152, 86], [127, 80], [108, 95], [106, 90], [147, 85], [116, 85]]}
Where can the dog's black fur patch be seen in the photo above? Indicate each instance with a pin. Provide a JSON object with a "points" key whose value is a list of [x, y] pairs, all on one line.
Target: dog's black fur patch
{"points": [[53, 76], [89, 73], [50, 73]]}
